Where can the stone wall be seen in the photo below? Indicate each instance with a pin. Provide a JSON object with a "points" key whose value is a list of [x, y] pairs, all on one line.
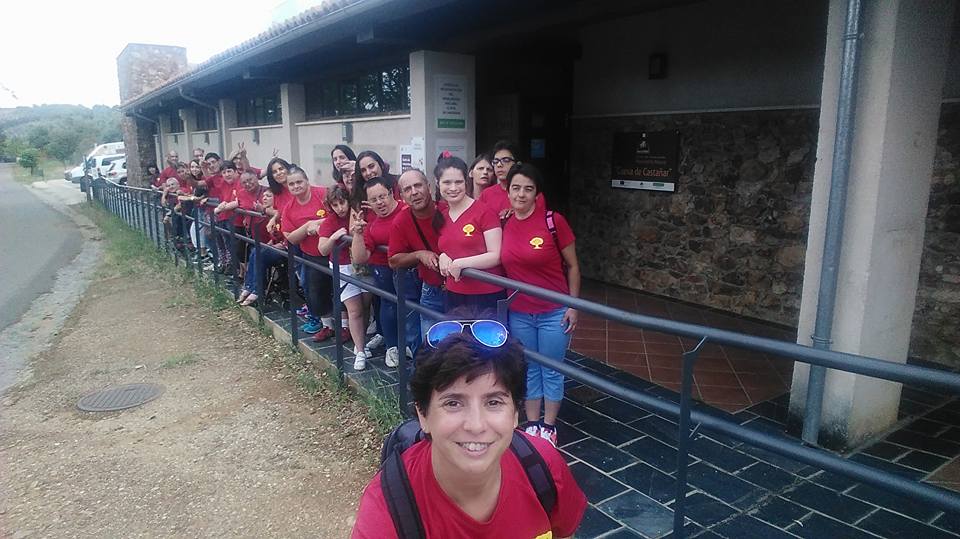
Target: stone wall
{"points": [[732, 236], [140, 68], [936, 320]]}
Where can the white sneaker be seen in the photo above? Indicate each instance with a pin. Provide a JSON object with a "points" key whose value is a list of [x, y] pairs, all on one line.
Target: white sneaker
{"points": [[533, 429], [360, 361], [374, 341], [392, 358], [372, 327]]}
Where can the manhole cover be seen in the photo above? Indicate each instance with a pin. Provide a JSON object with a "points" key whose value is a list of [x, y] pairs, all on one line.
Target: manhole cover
{"points": [[119, 398]]}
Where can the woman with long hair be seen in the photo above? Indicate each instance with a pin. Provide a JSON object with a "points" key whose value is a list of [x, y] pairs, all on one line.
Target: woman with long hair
{"points": [[481, 175], [470, 238]]}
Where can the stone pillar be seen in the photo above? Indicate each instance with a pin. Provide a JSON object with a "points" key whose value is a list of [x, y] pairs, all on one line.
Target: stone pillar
{"points": [[443, 103], [293, 109], [903, 63], [140, 68], [228, 120]]}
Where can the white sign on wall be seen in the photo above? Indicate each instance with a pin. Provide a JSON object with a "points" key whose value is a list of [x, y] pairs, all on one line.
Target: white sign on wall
{"points": [[451, 102], [456, 146], [411, 155]]}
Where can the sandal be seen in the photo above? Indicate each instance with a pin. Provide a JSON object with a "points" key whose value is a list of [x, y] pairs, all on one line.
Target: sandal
{"points": [[250, 300], [243, 296]]}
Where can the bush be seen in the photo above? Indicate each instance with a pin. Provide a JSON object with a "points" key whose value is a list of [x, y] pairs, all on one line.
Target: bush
{"points": [[29, 158]]}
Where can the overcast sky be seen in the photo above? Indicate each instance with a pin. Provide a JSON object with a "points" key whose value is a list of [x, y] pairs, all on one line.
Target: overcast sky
{"points": [[57, 51]]}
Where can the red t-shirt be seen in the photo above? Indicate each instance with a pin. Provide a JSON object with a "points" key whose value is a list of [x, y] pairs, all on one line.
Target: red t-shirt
{"points": [[405, 239], [296, 215], [247, 201], [464, 238], [378, 233], [518, 512], [165, 174], [530, 255], [497, 199], [227, 192], [332, 223], [282, 200]]}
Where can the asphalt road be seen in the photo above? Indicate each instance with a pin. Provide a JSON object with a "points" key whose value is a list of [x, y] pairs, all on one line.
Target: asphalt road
{"points": [[35, 242]]}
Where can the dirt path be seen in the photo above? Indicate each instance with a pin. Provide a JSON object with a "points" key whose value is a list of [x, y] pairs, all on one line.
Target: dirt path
{"points": [[232, 448]]}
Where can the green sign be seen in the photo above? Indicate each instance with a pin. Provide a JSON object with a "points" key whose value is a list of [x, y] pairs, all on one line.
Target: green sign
{"points": [[448, 123]]}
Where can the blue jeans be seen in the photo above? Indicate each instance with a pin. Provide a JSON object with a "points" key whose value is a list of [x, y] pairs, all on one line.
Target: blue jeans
{"points": [[543, 333], [431, 297], [257, 265], [383, 276]]}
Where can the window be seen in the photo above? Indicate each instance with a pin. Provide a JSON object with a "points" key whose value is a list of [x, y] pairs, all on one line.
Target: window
{"points": [[262, 109], [206, 119], [372, 92], [176, 124]]}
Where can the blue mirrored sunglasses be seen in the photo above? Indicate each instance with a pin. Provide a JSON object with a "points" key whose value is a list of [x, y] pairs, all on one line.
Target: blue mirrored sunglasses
{"points": [[489, 333]]}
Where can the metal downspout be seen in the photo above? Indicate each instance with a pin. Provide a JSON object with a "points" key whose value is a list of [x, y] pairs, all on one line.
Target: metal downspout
{"points": [[836, 209], [220, 130]]}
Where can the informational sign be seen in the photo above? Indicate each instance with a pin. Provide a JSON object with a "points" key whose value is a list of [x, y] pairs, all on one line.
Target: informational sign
{"points": [[646, 160], [451, 102], [411, 155], [457, 147]]}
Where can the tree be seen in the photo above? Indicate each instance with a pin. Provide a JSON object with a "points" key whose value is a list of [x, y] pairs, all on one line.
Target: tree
{"points": [[29, 158], [63, 144], [39, 137]]}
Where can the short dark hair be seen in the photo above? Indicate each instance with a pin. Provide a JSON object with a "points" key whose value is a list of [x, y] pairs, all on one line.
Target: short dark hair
{"points": [[227, 165], [337, 192], [460, 355], [213, 155], [528, 170], [379, 180], [505, 145]]}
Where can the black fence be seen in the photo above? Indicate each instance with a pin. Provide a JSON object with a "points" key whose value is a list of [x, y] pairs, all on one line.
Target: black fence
{"points": [[141, 209]]}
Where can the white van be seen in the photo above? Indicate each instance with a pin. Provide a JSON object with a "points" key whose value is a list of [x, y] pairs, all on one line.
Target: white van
{"points": [[89, 165]]}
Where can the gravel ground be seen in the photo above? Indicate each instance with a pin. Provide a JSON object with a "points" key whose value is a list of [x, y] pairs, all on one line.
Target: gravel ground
{"points": [[233, 447]]}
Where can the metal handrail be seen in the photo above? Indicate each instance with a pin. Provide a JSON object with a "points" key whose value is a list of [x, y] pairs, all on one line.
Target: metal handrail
{"points": [[686, 412]]}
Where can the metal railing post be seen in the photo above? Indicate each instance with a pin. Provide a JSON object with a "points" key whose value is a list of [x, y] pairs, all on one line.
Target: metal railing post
{"points": [[234, 257], [684, 437], [337, 309], [198, 226], [291, 290], [258, 275], [157, 220], [398, 286]]}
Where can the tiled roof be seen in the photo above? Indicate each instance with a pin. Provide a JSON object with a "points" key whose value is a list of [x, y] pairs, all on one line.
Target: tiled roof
{"points": [[306, 17]]}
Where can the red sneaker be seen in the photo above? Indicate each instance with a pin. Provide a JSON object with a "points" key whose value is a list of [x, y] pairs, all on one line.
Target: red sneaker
{"points": [[549, 434], [345, 335], [322, 335]]}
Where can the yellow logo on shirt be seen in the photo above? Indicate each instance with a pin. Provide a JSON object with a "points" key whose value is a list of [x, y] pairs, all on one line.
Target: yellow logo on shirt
{"points": [[468, 230], [537, 242], [548, 535], [321, 213]]}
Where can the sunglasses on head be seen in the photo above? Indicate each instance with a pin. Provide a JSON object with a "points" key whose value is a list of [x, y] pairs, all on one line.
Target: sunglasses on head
{"points": [[489, 333]]}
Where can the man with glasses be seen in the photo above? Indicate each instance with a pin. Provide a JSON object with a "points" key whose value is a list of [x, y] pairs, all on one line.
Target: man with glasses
{"points": [[495, 197]]}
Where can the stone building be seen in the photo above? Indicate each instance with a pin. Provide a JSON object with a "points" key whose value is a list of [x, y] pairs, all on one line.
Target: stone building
{"points": [[750, 88]]}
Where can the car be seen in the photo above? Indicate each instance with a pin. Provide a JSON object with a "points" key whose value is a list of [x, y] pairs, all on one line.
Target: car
{"points": [[96, 167], [117, 171], [77, 173]]}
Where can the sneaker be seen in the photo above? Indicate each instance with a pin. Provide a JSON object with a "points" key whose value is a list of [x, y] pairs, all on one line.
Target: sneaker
{"points": [[392, 358], [531, 427], [372, 327], [323, 334], [303, 310], [549, 434], [360, 361], [374, 342], [310, 327]]}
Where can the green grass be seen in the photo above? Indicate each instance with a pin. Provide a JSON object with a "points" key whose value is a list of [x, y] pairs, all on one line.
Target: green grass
{"points": [[179, 360], [47, 169]]}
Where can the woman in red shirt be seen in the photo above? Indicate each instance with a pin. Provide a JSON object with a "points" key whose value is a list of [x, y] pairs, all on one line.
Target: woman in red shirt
{"points": [[470, 238], [481, 175], [462, 477], [300, 221], [539, 249]]}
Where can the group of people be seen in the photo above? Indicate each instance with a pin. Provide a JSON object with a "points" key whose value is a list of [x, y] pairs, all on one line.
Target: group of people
{"points": [[490, 215]]}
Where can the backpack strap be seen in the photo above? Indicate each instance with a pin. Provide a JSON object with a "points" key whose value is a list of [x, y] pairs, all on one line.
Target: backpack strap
{"points": [[538, 473], [423, 238], [401, 502], [552, 227]]}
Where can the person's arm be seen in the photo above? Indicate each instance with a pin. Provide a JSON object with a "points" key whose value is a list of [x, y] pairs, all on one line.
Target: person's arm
{"points": [[326, 245], [492, 238], [307, 229], [409, 260], [569, 254], [358, 249]]}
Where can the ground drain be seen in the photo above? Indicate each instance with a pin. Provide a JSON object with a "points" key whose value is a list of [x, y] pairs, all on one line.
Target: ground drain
{"points": [[122, 397]]}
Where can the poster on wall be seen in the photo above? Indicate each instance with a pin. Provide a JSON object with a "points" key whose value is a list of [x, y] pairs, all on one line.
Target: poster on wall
{"points": [[411, 155], [645, 160], [451, 94], [457, 147]]}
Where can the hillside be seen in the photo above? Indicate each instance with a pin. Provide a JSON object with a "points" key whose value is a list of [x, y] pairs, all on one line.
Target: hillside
{"points": [[64, 132]]}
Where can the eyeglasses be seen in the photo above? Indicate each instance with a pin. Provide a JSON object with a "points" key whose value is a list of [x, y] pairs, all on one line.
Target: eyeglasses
{"points": [[380, 198], [505, 161], [489, 333]]}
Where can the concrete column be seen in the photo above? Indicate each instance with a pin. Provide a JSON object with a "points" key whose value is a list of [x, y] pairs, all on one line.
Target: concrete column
{"points": [[228, 120], [163, 128], [189, 117], [903, 63], [439, 79], [293, 109]]}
